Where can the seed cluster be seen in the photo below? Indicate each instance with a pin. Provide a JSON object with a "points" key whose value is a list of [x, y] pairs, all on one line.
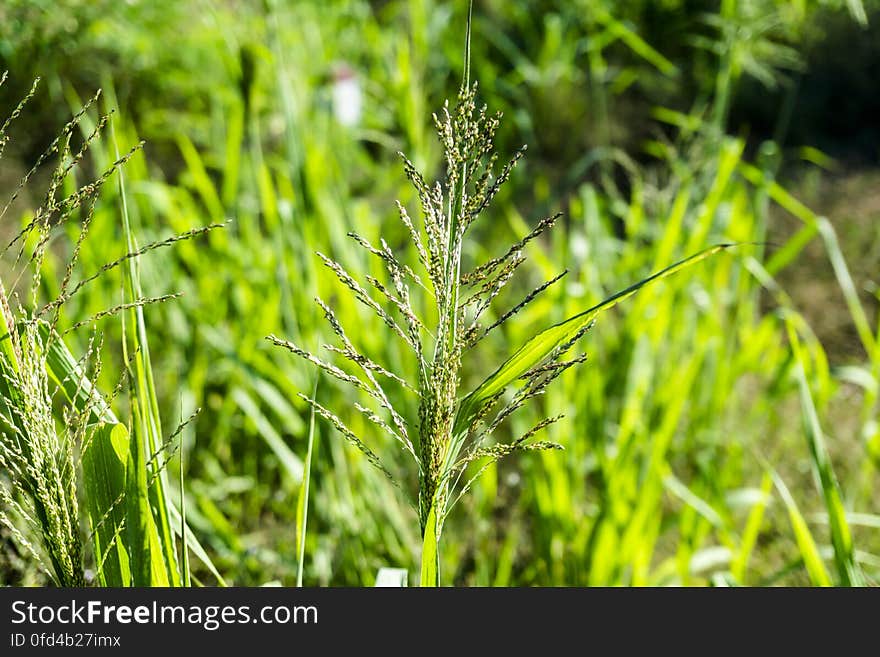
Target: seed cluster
{"points": [[445, 441]]}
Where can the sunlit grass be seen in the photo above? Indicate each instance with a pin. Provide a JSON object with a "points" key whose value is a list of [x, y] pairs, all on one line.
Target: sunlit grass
{"points": [[679, 429]]}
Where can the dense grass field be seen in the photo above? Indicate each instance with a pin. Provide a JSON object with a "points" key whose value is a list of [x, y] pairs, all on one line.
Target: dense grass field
{"points": [[186, 179]]}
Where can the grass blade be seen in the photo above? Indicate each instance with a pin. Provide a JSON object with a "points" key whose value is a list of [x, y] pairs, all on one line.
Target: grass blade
{"points": [[302, 506], [195, 546], [841, 537], [290, 461], [750, 534], [809, 551], [184, 547], [430, 571], [539, 346], [148, 566], [147, 435], [104, 475]]}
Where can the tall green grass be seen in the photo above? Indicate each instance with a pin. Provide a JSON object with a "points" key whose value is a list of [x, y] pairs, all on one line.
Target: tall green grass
{"points": [[689, 406], [73, 464]]}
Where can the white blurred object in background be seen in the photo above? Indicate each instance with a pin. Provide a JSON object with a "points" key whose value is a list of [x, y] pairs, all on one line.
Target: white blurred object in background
{"points": [[347, 96]]}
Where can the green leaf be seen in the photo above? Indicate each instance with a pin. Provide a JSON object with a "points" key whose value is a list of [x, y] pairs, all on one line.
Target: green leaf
{"points": [[751, 531], [809, 551], [200, 178], [635, 43], [841, 537], [430, 572], [147, 563], [104, 476], [290, 461], [64, 370], [542, 344]]}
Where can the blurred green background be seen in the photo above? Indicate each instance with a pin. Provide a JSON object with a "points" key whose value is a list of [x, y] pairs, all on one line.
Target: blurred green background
{"points": [[695, 434]]}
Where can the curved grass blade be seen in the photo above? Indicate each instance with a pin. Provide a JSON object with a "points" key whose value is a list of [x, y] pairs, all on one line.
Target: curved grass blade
{"points": [[542, 344], [291, 463]]}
